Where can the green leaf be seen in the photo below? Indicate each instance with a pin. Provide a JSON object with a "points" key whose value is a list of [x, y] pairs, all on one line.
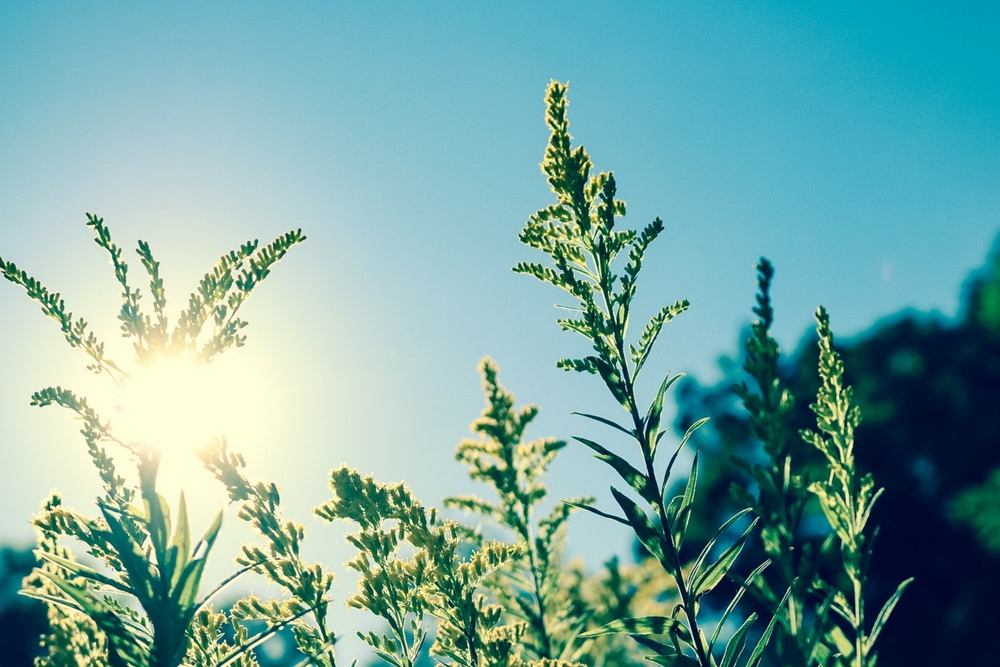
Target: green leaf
{"points": [[813, 648], [707, 550], [82, 571], [633, 477], [707, 580], [123, 641], [648, 534], [185, 595], [687, 436], [659, 647], [608, 422], [883, 615], [180, 545], [133, 558], [684, 513], [594, 510], [655, 413], [736, 600], [182, 532], [734, 649], [758, 652], [676, 660], [673, 507], [645, 625]]}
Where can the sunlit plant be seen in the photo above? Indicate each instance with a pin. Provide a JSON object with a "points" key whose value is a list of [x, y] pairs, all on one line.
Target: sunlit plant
{"points": [[578, 234], [146, 604], [497, 592], [785, 487]]}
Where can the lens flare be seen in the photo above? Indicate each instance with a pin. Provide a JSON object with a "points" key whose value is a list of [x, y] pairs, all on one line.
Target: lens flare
{"points": [[177, 405], [172, 405]]}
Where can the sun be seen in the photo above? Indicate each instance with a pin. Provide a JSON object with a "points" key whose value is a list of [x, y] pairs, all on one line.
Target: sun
{"points": [[176, 404]]}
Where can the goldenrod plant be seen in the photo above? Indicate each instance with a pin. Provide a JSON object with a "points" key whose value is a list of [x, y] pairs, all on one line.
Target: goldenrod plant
{"points": [[459, 594], [578, 233], [147, 606], [531, 589], [432, 579], [846, 498], [782, 497], [556, 601]]}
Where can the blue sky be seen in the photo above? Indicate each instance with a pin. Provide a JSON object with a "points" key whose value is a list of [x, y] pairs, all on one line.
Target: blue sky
{"points": [[857, 145]]}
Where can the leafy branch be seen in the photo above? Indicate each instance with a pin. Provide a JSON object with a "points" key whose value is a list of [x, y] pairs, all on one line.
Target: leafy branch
{"points": [[532, 588], [75, 331], [846, 497], [434, 579], [150, 559], [281, 563], [223, 291], [579, 236]]}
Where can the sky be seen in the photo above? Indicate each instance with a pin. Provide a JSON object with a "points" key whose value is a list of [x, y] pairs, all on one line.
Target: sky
{"points": [[855, 144]]}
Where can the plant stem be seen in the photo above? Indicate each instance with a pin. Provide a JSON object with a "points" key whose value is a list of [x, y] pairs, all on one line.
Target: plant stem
{"points": [[471, 637], [546, 647], [646, 447]]}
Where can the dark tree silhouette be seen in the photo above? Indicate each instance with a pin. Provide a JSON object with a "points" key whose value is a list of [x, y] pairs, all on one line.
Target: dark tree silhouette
{"points": [[22, 620]]}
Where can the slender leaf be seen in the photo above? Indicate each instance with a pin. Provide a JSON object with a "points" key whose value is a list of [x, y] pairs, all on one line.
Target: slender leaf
{"points": [[676, 660], [758, 652], [594, 510], [659, 647], [124, 642], [633, 477], [181, 542], [706, 552], [647, 533], [655, 413], [684, 513], [645, 625], [736, 600], [819, 626], [883, 615], [82, 571], [687, 436], [185, 595], [712, 575], [734, 649], [606, 422]]}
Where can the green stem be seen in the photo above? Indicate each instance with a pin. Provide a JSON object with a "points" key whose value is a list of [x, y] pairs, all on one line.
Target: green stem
{"points": [[546, 651], [668, 541], [470, 636], [859, 630]]}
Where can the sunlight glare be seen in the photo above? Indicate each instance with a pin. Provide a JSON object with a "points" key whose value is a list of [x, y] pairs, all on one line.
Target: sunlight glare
{"points": [[172, 405], [177, 405]]}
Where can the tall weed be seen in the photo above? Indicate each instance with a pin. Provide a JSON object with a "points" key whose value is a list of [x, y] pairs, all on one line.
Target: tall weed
{"points": [[441, 587]]}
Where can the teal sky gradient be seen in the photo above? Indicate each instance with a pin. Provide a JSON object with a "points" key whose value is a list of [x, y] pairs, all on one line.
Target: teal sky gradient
{"points": [[855, 144]]}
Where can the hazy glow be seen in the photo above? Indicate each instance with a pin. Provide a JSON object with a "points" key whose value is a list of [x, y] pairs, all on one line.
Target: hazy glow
{"points": [[173, 405], [178, 405]]}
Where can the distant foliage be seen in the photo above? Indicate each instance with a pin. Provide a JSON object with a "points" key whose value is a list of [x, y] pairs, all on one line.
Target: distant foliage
{"points": [[927, 386], [497, 592]]}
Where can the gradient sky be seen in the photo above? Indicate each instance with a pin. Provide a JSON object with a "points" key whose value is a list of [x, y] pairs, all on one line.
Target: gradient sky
{"points": [[856, 144]]}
